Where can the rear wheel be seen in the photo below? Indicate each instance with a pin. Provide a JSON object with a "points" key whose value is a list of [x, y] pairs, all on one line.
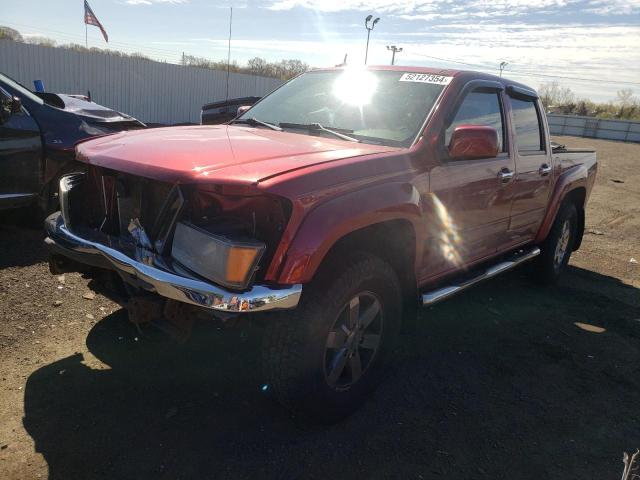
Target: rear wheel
{"points": [[556, 249], [325, 357]]}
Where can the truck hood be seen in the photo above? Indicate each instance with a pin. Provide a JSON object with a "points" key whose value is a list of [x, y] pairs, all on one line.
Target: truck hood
{"points": [[220, 153]]}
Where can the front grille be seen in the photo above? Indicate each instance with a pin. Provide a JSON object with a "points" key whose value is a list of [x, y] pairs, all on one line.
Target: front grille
{"points": [[108, 201]]}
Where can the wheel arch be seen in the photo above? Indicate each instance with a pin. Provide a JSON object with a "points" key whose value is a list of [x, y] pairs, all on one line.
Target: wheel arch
{"points": [[393, 241], [572, 186], [383, 220]]}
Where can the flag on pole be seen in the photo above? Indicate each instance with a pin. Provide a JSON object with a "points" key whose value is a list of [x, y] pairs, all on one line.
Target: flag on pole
{"points": [[91, 19]]}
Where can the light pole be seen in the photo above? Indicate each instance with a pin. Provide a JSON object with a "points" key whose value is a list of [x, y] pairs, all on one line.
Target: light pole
{"points": [[502, 65], [394, 50], [369, 28]]}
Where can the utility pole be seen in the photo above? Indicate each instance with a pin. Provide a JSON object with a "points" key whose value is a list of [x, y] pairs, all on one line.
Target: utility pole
{"points": [[229, 52], [369, 28], [394, 50], [502, 65]]}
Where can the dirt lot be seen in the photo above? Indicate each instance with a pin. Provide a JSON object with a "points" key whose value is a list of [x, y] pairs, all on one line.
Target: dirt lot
{"points": [[498, 383]]}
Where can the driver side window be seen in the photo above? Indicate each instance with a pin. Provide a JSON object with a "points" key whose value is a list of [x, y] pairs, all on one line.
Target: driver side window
{"points": [[479, 108]]}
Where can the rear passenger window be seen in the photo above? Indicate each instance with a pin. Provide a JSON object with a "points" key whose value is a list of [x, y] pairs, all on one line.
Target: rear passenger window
{"points": [[527, 125], [479, 108]]}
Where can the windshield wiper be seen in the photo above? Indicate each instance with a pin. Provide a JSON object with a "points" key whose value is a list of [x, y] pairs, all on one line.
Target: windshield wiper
{"points": [[315, 127], [255, 122]]}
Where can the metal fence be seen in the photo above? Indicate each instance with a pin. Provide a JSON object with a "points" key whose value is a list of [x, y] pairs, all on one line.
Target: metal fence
{"points": [[150, 91], [594, 127]]}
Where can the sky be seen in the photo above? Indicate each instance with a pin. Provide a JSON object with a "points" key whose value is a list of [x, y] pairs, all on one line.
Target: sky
{"points": [[590, 46]]}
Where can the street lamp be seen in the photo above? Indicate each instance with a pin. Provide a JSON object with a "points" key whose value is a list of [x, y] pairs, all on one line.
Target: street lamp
{"points": [[369, 28], [502, 65], [394, 50]]}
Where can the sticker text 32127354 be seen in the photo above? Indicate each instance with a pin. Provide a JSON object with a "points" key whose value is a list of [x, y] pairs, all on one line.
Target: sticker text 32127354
{"points": [[425, 78]]}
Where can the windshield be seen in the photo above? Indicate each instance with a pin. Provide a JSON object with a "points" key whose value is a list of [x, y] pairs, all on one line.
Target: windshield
{"points": [[383, 107], [19, 88]]}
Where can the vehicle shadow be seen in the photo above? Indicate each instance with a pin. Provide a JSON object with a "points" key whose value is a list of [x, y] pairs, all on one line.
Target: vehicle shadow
{"points": [[498, 383], [21, 246]]}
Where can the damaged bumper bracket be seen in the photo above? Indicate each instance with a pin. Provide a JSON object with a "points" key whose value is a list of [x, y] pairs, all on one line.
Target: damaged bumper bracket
{"points": [[157, 274]]}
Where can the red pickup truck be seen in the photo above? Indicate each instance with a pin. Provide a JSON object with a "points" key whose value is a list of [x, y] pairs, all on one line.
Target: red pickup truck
{"points": [[337, 204]]}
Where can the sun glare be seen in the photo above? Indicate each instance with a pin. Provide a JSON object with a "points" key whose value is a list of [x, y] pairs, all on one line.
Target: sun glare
{"points": [[355, 86]]}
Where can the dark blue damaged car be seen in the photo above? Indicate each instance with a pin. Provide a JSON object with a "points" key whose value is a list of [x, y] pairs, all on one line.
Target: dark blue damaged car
{"points": [[38, 133]]}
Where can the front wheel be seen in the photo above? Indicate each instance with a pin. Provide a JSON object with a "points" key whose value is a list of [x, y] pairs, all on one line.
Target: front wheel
{"points": [[324, 358], [556, 249]]}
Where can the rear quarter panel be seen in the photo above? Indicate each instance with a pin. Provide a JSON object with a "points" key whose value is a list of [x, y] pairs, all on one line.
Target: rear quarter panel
{"points": [[577, 169]]}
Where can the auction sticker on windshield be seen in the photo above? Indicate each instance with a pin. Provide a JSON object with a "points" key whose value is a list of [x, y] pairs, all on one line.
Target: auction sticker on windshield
{"points": [[425, 78]]}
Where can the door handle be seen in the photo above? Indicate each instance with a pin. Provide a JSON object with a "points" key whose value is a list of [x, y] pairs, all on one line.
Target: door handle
{"points": [[544, 170], [505, 175]]}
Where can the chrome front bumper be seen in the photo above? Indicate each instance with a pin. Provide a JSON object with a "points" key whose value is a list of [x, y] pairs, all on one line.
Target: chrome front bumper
{"points": [[157, 274]]}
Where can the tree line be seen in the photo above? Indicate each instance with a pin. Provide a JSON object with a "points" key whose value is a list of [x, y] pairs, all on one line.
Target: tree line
{"points": [[563, 100], [283, 69]]}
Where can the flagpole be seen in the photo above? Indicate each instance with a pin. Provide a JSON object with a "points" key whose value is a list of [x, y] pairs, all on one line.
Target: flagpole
{"points": [[86, 37], [229, 52]]}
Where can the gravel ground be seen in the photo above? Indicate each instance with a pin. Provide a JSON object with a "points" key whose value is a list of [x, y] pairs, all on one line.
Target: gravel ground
{"points": [[497, 383]]}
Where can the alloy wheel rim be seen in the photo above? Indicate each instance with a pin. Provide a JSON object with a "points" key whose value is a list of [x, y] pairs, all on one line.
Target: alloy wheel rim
{"points": [[353, 341], [563, 244]]}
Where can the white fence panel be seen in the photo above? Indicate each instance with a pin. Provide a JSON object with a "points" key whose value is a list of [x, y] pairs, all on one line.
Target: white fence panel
{"points": [[606, 129], [150, 91]]}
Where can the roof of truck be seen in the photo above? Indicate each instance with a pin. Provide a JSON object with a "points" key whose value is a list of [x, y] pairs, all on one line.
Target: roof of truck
{"points": [[449, 72]]}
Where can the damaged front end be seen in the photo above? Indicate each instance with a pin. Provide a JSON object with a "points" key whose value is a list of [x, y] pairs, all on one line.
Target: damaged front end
{"points": [[200, 245]]}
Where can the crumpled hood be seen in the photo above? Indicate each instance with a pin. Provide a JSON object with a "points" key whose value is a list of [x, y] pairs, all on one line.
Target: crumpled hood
{"points": [[91, 110], [220, 153], [85, 109]]}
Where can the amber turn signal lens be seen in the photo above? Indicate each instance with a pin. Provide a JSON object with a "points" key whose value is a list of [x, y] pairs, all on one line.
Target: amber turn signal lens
{"points": [[239, 261], [220, 259]]}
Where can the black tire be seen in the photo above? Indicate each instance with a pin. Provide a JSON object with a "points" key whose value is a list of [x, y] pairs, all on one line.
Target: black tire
{"points": [[556, 249], [304, 349]]}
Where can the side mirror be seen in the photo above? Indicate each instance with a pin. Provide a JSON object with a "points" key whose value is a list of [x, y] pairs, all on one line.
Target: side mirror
{"points": [[243, 109], [469, 142], [16, 105]]}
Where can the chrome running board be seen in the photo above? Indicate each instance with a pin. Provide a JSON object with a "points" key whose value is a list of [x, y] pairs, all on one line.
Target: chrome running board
{"points": [[521, 256]]}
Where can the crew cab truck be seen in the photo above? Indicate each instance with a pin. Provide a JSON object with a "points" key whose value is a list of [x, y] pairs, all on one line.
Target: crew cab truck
{"points": [[327, 212]]}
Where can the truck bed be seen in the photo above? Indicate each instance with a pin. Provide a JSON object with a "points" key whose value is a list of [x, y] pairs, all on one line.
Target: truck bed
{"points": [[568, 157]]}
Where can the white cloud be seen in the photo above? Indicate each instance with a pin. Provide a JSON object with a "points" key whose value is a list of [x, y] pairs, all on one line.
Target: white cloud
{"points": [[594, 50], [151, 2], [381, 6], [173, 43], [408, 6], [449, 9], [613, 7]]}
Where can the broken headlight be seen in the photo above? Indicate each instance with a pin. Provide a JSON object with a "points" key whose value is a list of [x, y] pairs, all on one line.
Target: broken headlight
{"points": [[226, 260]]}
